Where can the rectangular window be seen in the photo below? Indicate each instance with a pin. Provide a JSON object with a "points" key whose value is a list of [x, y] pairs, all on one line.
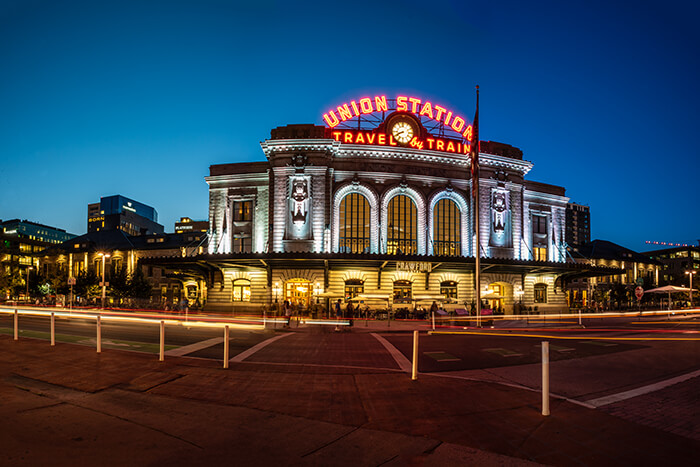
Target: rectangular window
{"points": [[540, 254], [242, 211]]}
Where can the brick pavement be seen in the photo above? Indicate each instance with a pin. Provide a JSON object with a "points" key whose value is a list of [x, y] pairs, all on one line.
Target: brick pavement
{"points": [[79, 405]]}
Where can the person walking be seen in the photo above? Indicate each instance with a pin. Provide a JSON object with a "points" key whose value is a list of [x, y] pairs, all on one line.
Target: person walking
{"points": [[287, 312], [349, 313], [338, 313]]}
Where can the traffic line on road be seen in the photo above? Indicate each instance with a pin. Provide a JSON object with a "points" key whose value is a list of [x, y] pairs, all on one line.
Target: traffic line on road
{"points": [[256, 348], [442, 356], [186, 349], [503, 352], [398, 357], [606, 400]]}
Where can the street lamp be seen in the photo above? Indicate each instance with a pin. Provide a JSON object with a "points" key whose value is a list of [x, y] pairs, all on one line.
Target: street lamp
{"points": [[26, 279], [103, 283], [690, 275]]}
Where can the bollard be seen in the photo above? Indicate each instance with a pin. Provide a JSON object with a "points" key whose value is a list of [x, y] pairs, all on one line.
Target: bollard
{"points": [[226, 346], [99, 335], [53, 329], [16, 326], [579, 316], [414, 372], [545, 378], [433, 319], [162, 341]]}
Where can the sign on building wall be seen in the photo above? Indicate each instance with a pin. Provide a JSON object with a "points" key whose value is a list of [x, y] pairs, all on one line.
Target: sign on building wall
{"points": [[501, 230]]}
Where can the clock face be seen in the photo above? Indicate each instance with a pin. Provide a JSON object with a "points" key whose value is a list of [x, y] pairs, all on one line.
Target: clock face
{"points": [[403, 132]]}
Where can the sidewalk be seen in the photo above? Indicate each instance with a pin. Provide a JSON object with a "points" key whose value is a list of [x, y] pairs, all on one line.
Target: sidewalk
{"points": [[68, 405]]}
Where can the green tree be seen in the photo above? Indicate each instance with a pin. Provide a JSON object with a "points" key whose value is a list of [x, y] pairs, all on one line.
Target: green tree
{"points": [[119, 284], [139, 285]]}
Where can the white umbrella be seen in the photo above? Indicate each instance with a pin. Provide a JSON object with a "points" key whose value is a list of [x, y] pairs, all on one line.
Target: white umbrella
{"points": [[668, 289]]}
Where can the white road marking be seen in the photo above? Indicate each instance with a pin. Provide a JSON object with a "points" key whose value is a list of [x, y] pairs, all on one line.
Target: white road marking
{"points": [[399, 358], [184, 350], [247, 353], [601, 401]]}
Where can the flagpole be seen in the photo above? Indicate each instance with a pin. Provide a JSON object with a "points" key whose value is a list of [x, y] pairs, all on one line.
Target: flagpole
{"points": [[475, 193]]}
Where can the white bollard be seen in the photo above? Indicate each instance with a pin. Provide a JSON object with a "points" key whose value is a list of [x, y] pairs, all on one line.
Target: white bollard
{"points": [[53, 329], [99, 335], [226, 346], [16, 325], [433, 313], [545, 378], [414, 372], [162, 341]]}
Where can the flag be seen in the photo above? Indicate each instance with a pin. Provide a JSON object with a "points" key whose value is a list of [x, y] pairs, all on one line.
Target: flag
{"points": [[475, 149]]}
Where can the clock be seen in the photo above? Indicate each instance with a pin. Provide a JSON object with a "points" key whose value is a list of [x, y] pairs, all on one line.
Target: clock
{"points": [[402, 131]]}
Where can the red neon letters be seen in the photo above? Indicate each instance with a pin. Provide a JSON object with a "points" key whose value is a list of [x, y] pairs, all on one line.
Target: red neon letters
{"points": [[381, 139], [414, 105]]}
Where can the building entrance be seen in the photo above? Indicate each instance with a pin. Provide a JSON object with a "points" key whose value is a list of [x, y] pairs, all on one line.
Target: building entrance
{"points": [[298, 292]]}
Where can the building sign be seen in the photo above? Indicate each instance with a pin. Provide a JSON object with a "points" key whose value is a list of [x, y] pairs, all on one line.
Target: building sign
{"points": [[422, 109], [381, 139], [413, 266]]}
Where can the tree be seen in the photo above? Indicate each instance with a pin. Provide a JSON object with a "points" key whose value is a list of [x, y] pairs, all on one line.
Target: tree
{"points": [[139, 286]]}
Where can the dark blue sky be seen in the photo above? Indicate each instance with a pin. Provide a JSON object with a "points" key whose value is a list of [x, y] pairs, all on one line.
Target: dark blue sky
{"points": [[139, 98]]}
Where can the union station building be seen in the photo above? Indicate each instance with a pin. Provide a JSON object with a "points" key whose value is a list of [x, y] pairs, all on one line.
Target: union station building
{"points": [[378, 203]]}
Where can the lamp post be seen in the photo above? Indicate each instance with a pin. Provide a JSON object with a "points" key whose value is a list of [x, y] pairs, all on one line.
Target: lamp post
{"points": [[103, 283], [26, 279], [690, 275]]}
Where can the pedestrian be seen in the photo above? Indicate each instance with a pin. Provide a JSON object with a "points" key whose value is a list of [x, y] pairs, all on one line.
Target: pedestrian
{"points": [[433, 308], [349, 312], [338, 313], [287, 312]]}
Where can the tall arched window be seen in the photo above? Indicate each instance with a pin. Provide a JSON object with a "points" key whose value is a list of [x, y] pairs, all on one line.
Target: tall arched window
{"points": [[241, 290], [402, 223], [446, 228], [354, 230]]}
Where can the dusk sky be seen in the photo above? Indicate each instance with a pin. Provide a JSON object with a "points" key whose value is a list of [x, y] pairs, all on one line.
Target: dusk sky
{"points": [[139, 98]]}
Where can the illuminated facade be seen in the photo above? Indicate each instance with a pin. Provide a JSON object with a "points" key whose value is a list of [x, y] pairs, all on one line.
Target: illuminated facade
{"points": [[379, 202]]}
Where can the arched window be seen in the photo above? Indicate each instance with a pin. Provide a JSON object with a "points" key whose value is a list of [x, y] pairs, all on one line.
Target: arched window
{"points": [[448, 289], [541, 293], [446, 228], [353, 287], [402, 223], [241, 290], [402, 292], [354, 230]]}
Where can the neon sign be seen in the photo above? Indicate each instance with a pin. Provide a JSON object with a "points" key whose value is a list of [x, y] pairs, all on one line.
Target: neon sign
{"points": [[381, 139], [415, 105]]}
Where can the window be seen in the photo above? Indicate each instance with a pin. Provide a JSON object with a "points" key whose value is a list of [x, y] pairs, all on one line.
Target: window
{"points": [[242, 211], [354, 231], [241, 290], [402, 292], [402, 230], [446, 229], [353, 287], [448, 289], [539, 224], [540, 254], [242, 245], [540, 293]]}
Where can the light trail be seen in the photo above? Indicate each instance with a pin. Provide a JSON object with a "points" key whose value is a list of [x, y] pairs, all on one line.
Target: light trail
{"points": [[172, 320], [544, 336]]}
